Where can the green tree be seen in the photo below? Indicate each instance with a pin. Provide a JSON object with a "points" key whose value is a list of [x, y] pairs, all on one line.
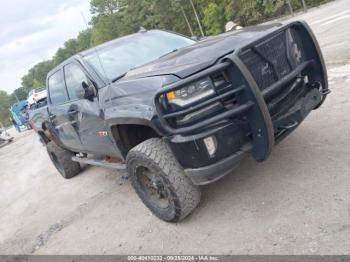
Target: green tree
{"points": [[19, 94], [250, 12], [36, 76], [84, 40], [104, 29], [214, 21], [107, 7], [5, 102], [106, 14], [273, 8]]}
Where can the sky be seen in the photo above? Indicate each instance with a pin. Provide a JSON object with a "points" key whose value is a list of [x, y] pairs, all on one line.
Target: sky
{"points": [[32, 30]]}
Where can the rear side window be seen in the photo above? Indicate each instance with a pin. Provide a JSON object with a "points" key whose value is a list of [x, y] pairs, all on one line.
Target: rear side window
{"points": [[57, 88], [74, 76]]}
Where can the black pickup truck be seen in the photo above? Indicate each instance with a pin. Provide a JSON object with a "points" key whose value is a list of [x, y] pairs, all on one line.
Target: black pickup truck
{"points": [[179, 113]]}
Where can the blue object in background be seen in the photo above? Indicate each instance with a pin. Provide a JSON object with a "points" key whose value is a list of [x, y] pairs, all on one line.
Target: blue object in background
{"points": [[18, 112]]}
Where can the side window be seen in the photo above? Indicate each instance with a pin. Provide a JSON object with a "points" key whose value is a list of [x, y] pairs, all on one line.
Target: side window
{"points": [[57, 90], [74, 78]]}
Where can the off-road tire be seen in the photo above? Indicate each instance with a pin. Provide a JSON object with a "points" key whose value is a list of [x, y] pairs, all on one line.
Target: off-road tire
{"points": [[62, 160], [182, 195]]}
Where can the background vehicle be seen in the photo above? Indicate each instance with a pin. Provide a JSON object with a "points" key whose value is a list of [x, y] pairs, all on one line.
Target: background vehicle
{"points": [[37, 95], [181, 113], [19, 115], [5, 137], [37, 114]]}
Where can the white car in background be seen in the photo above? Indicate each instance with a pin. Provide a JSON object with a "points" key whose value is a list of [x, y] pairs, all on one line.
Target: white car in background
{"points": [[36, 95], [5, 137]]}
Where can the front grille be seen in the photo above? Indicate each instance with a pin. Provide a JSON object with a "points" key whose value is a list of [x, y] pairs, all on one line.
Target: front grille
{"points": [[274, 58], [262, 72]]}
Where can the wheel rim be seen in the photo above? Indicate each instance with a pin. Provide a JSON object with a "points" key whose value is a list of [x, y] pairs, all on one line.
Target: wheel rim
{"points": [[153, 187], [56, 163]]}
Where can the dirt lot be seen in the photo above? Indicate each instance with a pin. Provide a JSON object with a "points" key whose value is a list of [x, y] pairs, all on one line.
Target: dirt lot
{"points": [[297, 202]]}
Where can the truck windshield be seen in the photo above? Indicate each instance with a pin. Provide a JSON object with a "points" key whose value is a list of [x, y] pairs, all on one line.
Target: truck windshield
{"points": [[117, 57]]}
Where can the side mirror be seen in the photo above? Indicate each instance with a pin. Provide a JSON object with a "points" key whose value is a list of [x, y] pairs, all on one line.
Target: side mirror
{"points": [[88, 91]]}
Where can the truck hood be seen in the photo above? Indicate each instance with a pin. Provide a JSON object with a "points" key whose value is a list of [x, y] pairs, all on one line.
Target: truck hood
{"points": [[189, 60], [183, 62]]}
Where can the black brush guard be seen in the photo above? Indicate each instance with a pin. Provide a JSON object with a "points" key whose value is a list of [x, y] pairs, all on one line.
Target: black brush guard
{"points": [[273, 87]]}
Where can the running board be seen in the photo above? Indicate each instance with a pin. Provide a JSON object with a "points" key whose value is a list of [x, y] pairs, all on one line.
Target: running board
{"points": [[102, 163]]}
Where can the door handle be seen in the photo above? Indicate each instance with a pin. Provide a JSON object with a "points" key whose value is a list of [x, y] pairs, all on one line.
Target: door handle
{"points": [[73, 112]]}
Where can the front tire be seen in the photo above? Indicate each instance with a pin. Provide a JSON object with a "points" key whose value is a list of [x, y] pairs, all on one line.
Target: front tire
{"points": [[62, 160], [161, 182]]}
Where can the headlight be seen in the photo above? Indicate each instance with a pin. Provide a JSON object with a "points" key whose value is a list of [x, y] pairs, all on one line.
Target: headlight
{"points": [[191, 93]]}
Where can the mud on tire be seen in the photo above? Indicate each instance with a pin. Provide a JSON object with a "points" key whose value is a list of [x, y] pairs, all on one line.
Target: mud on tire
{"points": [[160, 181], [62, 160]]}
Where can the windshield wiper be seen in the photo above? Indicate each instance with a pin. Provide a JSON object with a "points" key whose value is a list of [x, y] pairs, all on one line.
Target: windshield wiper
{"points": [[119, 77], [122, 75], [168, 53]]}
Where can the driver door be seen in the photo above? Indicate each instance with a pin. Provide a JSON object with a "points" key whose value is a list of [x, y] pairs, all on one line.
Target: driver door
{"points": [[88, 116], [60, 113]]}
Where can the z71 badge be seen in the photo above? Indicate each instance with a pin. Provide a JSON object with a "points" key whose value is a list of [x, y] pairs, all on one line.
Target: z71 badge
{"points": [[102, 133]]}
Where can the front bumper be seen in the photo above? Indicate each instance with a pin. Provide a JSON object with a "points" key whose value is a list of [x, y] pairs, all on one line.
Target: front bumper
{"points": [[209, 174], [272, 90], [283, 126]]}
